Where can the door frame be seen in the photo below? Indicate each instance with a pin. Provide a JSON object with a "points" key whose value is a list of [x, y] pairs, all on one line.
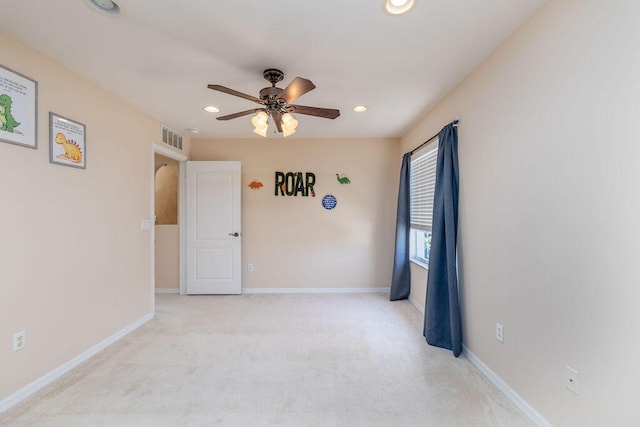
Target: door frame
{"points": [[181, 158]]}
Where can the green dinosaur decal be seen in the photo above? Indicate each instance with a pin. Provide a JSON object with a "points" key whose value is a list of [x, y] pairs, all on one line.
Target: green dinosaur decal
{"points": [[7, 120], [343, 179]]}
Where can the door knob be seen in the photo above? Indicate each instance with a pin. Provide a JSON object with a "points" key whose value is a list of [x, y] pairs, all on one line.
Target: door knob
{"points": [[236, 234]]}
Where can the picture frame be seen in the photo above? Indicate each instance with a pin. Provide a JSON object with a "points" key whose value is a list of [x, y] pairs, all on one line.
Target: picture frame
{"points": [[18, 109], [67, 142]]}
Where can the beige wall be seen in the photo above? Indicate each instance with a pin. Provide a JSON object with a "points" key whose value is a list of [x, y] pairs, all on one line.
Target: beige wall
{"points": [[292, 241], [167, 257], [75, 267], [549, 206]]}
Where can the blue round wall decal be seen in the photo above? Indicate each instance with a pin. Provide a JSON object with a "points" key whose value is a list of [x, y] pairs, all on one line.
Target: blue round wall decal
{"points": [[329, 202]]}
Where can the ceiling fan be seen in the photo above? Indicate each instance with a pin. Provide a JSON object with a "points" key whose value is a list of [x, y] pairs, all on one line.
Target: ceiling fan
{"points": [[277, 103]]}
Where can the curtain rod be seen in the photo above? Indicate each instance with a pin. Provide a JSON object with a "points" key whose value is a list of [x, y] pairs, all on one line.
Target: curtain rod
{"points": [[455, 124]]}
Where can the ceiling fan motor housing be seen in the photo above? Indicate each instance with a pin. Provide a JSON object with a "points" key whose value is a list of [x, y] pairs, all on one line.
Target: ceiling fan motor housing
{"points": [[269, 93], [273, 105]]}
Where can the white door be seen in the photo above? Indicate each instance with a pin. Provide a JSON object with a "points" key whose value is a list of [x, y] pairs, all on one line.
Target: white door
{"points": [[214, 264]]}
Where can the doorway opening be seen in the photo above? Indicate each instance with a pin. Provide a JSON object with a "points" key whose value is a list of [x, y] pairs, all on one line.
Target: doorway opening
{"points": [[167, 220], [167, 229]]}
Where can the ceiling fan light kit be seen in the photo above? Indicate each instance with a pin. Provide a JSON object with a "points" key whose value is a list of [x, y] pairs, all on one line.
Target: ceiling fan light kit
{"points": [[260, 124], [289, 125], [277, 104], [260, 120], [261, 131]]}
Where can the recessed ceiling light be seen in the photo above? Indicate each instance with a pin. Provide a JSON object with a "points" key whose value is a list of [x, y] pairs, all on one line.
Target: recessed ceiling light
{"points": [[360, 108], [211, 109], [193, 130], [397, 7], [107, 7]]}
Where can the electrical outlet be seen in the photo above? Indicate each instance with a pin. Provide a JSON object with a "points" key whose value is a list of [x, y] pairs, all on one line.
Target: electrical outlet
{"points": [[19, 341], [572, 379], [500, 332], [249, 267]]}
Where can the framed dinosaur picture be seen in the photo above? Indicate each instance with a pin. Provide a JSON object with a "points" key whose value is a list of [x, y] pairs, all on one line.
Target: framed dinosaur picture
{"points": [[18, 109], [67, 143]]}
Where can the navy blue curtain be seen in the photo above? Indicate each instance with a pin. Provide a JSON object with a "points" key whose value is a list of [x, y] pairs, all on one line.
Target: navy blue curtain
{"points": [[401, 278], [442, 325]]}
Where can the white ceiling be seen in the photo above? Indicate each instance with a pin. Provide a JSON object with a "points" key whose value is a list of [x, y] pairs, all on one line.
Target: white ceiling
{"points": [[161, 54]]}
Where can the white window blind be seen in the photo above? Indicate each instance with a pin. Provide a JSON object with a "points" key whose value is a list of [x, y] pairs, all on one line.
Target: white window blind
{"points": [[422, 186]]}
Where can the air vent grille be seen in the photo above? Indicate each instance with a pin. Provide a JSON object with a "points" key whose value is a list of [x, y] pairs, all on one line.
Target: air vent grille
{"points": [[171, 137]]}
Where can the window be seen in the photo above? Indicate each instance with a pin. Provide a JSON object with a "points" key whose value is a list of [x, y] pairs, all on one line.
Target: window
{"points": [[422, 188]]}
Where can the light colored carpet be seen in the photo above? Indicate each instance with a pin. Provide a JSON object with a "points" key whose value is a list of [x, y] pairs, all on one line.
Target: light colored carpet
{"points": [[272, 360]]}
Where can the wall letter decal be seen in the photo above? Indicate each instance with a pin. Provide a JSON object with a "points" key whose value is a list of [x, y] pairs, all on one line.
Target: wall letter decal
{"points": [[311, 180], [290, 182], [294, 183], [279, 183]]}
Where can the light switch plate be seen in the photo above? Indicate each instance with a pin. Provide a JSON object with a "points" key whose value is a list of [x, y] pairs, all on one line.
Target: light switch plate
{"points": [[19, 341]]}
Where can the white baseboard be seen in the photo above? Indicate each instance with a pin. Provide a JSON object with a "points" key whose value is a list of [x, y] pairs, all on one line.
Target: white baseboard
{"points": [[36, 385], [415, 304], [314, 290], [167, 290], [514, 397]]}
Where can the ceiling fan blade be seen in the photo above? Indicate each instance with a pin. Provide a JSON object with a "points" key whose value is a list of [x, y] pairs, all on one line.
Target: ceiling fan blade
{"points": [[327, 113], [277, 119], [296, 89], [240, 114], [235, 93]]}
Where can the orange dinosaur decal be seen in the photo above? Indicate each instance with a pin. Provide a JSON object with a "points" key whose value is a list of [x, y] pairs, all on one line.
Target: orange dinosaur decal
{"points": [[255, 185], [71, 149]]}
